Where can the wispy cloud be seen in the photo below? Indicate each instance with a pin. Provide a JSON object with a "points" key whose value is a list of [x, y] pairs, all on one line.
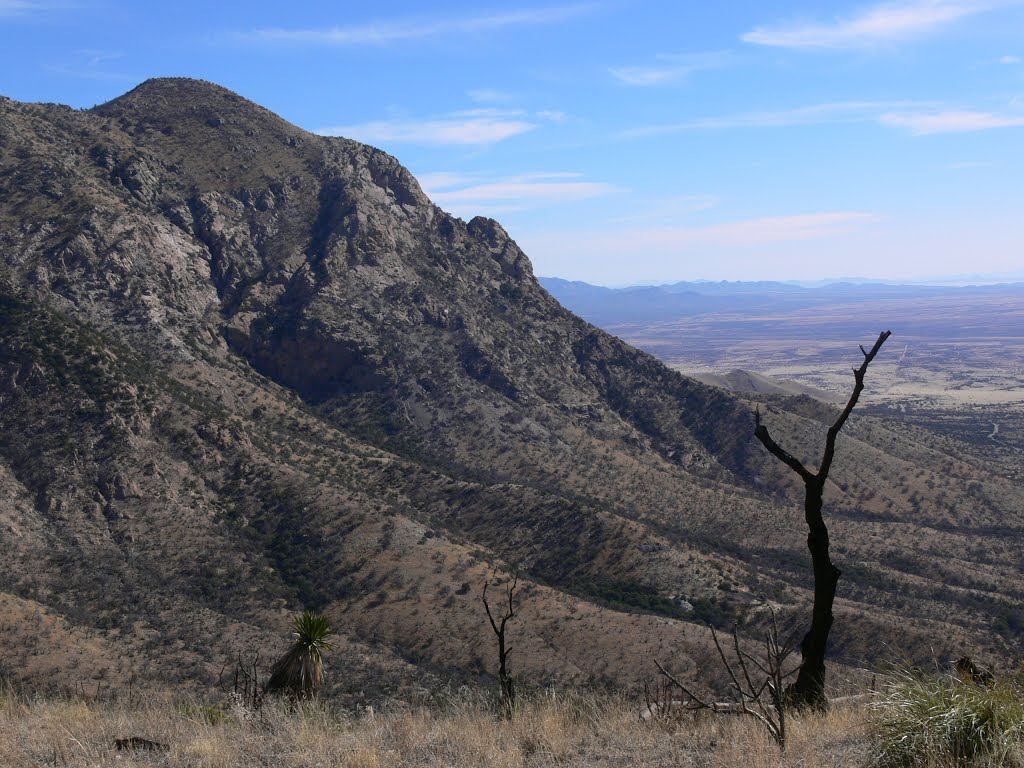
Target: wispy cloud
{"points": [[920, 118], [84, 73], [93, 57], [670, 68], [1009, 59], [439, 180], [813, 114], [552, 115], [490, 96], [466, 195], [472, 127], [423, 28], [497, 99], [880, 24], [91, 64], [15, 8], [924, 123]]}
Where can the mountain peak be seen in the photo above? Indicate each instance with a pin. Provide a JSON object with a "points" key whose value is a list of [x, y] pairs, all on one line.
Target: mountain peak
{"points": [[180, 89], [175, 104]]}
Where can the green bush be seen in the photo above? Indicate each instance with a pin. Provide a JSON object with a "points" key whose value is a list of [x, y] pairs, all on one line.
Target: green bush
{"points": [[927, 720]]}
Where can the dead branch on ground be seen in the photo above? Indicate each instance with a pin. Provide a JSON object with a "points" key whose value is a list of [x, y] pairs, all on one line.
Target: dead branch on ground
{"points": [[756, 684]]}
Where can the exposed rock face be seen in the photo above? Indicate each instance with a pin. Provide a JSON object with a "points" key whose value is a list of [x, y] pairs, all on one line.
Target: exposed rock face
{"points": [[245, 368], [320, 261]]}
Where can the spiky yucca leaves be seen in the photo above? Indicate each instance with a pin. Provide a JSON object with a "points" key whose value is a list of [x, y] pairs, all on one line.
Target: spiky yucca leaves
{"points": [[925, 720], [300, 672]]}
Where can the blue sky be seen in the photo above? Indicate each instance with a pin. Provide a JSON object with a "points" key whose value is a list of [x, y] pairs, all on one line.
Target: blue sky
{"points": [[622, 142]]}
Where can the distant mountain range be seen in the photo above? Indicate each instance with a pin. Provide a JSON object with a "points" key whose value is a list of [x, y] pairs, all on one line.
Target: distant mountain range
{"points": [[607, 307]]}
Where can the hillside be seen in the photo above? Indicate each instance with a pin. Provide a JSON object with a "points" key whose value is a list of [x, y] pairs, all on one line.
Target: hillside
{"points": [[245, 370]]}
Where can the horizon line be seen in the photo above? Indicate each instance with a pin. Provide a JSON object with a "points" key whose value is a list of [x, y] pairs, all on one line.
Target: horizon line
{"points": [[949, 281]]}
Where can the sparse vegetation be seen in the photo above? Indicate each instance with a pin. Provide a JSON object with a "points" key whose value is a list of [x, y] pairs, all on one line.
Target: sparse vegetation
{"points": [[937, 720], [565, 729]]}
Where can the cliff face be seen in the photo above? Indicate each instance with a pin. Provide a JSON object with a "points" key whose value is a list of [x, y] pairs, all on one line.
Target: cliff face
{"points": [[244, 369]]}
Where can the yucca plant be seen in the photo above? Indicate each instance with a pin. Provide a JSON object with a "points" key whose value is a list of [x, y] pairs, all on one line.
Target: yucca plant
{"points": [[925, 720], [300, 672]]}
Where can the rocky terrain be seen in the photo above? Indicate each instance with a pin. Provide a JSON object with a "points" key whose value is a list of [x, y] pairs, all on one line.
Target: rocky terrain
{"points": [[246, 370]]}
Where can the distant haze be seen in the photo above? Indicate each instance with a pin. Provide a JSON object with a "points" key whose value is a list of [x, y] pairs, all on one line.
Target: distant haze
{"points": [[997, 278]]}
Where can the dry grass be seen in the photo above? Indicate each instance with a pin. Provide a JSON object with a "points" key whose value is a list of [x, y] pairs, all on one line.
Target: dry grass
{"points": [[927, 720], [548, 729]]}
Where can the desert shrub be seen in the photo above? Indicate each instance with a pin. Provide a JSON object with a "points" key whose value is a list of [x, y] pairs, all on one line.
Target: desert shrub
{"points": [[930, 720], [300, 672]]}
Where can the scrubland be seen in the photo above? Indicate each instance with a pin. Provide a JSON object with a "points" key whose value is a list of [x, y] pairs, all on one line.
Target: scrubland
{"points": [[911, 721], [549, 729]]}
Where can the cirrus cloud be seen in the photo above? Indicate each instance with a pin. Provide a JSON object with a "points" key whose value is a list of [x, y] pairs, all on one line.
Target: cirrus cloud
{"points": [[15, 8], [472, 127], [883, 23], [468, 195], [813, 114], [670, 68], [921, 124], [391, 31]]}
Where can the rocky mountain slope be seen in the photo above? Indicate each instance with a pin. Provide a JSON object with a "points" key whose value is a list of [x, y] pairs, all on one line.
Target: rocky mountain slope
{"points": [[245, 370]]}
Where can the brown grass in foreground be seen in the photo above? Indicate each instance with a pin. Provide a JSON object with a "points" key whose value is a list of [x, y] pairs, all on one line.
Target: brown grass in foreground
{"points": [[547, 730]]}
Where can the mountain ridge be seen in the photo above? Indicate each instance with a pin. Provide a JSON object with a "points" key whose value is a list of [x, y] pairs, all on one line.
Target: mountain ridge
{"points": [[246, 369]]}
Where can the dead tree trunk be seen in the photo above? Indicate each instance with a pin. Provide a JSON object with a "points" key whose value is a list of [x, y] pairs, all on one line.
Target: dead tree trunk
{"points": [[508, 690], [809, 688]]}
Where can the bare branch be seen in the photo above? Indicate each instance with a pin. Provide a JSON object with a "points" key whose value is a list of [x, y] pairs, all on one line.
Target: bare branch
{"points": [[511, 592], [728, 667], [696, 702], [487, 607], [761, 433], [743, 665], [858, 376]]}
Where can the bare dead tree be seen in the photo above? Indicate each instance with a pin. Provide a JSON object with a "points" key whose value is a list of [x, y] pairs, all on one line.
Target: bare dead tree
{"points": [[756, 684], [660, 702], [809, 688], [507, 685], [246, 689]]}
